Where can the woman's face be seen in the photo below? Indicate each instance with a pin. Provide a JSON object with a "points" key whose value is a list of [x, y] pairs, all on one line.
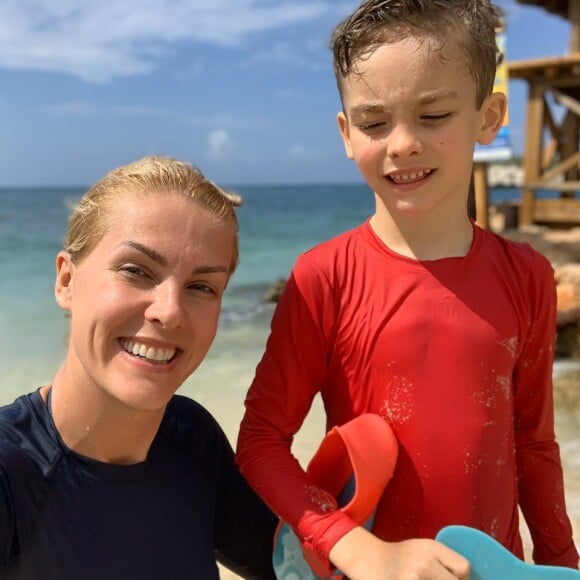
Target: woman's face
{"points": [[144, 304]]}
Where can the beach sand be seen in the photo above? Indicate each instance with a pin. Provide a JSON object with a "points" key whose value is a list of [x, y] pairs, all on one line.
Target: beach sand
{"points": [[567, 405], [567, 402]]}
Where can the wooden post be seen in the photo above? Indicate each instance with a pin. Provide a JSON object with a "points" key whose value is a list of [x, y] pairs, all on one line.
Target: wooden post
{"points": [[533, 150], [572, 126], [481, 195], [569, 147], [574, 16]]}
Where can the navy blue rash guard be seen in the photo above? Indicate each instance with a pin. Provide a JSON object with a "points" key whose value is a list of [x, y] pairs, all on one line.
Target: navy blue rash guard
{"points": [[66, 517]]}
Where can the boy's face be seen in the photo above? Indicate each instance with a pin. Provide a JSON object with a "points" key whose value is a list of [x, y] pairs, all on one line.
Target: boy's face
{"points": [[410, 123]]}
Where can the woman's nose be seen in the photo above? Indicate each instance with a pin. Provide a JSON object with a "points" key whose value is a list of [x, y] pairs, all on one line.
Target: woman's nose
{"points": [[165, 307]]}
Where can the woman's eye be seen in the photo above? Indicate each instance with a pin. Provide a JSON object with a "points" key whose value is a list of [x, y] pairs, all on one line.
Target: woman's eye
{"points": [[204, 288], [133, 270]]}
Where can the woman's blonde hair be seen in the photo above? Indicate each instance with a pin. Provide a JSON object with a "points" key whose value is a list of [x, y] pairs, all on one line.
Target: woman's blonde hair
{"points": [[152, 175]]}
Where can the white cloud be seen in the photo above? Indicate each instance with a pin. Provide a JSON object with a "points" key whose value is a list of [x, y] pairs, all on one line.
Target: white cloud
{"points": [[81, 108], [100, 40], [312, 56], [302, 153], [220, 144]]}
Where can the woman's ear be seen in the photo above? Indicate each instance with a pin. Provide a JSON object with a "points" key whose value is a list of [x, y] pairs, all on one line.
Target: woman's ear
{"points": [[64, 280], [493, 114]]}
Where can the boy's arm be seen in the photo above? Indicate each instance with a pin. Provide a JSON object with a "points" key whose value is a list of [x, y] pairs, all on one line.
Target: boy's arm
{"points": [[540, 477], [291, 372]]}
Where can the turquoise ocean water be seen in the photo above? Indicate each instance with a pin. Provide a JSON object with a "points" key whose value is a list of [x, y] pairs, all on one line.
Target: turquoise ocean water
{"points": [[276, 224]]}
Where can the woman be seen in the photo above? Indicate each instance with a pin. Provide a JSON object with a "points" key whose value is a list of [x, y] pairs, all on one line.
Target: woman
{"points": [[106, 473]]}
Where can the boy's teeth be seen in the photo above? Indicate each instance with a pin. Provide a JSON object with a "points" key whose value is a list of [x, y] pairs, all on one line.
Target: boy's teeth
{"points": [[410, 176], [148, 352]]}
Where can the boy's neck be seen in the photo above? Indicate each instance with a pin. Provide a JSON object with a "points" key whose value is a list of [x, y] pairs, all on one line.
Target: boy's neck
{"points": [[424, 238]]}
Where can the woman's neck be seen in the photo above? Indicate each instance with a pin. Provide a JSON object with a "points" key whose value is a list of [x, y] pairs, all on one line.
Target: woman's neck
{"points": [[93, 424]]}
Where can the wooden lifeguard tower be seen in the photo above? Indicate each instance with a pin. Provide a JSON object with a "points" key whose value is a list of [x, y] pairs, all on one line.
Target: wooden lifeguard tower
{"points": [[551, 157]]}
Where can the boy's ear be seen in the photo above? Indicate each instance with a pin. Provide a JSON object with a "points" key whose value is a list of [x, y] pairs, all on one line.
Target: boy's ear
{"points": [[64, 280], [494, 110], [345, 133]]}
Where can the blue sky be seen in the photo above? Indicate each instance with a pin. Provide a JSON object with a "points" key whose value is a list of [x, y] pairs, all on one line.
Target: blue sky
{"points": [[242, 88]]}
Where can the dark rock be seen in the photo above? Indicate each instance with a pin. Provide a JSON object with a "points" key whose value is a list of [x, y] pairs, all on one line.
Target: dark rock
{"points": [[568, 341], [274, 292]]}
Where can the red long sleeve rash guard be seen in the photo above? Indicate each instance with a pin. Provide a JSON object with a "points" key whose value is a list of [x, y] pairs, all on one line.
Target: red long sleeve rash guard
{"points": [[456, 354]]}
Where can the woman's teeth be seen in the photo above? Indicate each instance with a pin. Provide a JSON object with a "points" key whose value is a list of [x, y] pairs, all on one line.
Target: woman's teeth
{"points": [[150, 353]]}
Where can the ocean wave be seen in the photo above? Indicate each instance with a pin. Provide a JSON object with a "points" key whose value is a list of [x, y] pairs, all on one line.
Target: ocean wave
{"points": [[251, 313]]}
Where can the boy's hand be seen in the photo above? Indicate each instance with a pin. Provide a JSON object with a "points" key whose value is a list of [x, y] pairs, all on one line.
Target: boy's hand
{"points": [[362, 556]]}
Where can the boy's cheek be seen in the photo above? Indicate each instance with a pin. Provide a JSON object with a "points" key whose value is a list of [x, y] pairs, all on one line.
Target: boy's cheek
{"points": [[367, 157]]}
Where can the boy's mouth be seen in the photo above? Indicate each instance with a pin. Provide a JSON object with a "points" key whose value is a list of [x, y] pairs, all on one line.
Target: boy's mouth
{"points": [[402, 178]]}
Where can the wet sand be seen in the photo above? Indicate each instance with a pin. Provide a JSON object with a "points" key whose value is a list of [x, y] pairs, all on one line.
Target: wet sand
{"points": [[567, 417], [567, 404]]}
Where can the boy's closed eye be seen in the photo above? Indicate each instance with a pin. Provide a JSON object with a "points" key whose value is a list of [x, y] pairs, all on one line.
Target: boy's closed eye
{"points": [[379, 125], [436, 117], [371, 126]]}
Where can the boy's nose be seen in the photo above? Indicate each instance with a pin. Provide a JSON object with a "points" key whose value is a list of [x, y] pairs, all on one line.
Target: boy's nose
{"points": [[403, 142]]}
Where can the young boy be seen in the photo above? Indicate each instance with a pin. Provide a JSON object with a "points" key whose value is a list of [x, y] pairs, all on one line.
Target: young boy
{"points": [[443, 329]]}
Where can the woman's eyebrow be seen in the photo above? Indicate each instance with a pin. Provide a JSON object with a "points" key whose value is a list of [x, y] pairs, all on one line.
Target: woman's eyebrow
{"points": [[157, 257]]}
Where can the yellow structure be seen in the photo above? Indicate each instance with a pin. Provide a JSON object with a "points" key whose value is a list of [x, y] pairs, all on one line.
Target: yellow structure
{"points": [[551, 156]]}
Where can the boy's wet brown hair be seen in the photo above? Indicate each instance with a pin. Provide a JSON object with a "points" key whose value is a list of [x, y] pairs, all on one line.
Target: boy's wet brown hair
{"points": [[470, 24]]}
